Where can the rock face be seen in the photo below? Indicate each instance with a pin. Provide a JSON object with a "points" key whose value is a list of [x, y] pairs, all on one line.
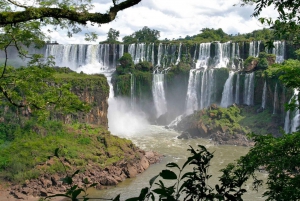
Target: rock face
{"points": [[95, 96], [219, 124], [47, 184]]}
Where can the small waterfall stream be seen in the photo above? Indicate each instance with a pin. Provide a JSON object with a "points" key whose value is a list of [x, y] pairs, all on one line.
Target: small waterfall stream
{"points": [[227, 95], [249, 89], [264, 96], [237, 89], [191, 96], [275, 99], [159, 94]]}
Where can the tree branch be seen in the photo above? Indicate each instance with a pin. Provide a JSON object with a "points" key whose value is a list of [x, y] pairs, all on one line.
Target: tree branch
{"points": [[32, 13], [17, 4]]}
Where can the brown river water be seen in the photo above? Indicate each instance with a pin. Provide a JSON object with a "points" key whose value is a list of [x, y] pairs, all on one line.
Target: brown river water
{"points": [[165, 142]]}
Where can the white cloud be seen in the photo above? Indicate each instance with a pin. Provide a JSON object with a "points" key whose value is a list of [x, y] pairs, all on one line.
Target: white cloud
{"points": [[174, 18]]}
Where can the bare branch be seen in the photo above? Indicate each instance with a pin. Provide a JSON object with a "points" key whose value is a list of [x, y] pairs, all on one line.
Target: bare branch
{"points": [[17, 4]]}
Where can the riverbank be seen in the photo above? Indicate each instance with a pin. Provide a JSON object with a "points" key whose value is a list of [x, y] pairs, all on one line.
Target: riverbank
{"points": [[47, 184]]}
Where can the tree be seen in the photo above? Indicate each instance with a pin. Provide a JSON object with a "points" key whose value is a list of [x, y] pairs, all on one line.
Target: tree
{"points": [[287, 23], [145, 35], [112, 36], [22, 28]]}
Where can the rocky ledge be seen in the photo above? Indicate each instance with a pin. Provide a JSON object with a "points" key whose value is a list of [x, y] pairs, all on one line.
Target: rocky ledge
{"points": [[220, 138], [47, 184]]}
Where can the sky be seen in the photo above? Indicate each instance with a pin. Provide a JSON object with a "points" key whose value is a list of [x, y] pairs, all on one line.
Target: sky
{"points": [[173, 18]]}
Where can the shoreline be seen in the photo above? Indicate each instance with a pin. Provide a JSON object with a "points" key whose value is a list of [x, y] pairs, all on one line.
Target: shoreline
{"points": [[47, 185]]}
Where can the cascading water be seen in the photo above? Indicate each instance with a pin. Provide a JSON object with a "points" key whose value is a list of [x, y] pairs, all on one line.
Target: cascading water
{"points": [[179, 54], [249, 89], [292, 118], [207, 85], [254, 48], [191, 96], [275, 99], [237, 89], [159, 94], [278, 50], [132, 91], [204, 55], [264, 96], [227, 95], [222, 54]]}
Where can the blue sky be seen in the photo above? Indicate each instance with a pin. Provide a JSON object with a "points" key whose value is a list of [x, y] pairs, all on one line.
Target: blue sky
{"points": [[173, 18]]}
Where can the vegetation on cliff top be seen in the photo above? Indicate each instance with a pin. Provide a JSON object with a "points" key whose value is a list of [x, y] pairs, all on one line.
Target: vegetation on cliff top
{"points": [[26, 157]]}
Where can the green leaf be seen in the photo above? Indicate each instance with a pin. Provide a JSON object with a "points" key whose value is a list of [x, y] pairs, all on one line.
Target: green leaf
{"points": [[56, 152], [133, 199], [76, 193], [67, 180], [75, 173], [93, 185], [173, 165], [143, 193], [159, 191], [168, 174], [117, 198], [152, 180]]}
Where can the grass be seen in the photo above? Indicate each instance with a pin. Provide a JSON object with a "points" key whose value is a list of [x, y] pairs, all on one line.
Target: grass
{"points": [[80, 144]]}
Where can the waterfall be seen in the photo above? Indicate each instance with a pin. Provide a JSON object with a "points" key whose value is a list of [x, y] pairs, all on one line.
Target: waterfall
{"points": [[132, 91], [254, 48], [275, 99], [191, 97], [249, 89], [237, 89], [179, 55], [292, 118], [206, 88], [278, 50], [159, 54], [222, 54], [227, 94], [159, 94], [139, 53], [121, 50], [195, 52], [204, 55], [264, 96]]}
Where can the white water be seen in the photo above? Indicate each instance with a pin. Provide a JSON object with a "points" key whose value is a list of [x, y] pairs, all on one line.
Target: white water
{"points": [[264, 96], [254, 48], [227, 95], [204, 55], [158, 92], [275, 99], [207, 87], [179, 54], [278, 50], [292, 118], [237, 89], [191, 96], [249, 89], [222, 54]]}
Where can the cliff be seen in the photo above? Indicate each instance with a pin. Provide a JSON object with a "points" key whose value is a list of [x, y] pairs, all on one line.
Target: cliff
{"points": [[91, 89]]}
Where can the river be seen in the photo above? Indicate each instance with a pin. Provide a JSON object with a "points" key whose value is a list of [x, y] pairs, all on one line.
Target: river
{"points": [[164, 141]]}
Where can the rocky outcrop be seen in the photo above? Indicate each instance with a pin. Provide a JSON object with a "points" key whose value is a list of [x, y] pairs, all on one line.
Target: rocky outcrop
{"points": [[49, 184]]}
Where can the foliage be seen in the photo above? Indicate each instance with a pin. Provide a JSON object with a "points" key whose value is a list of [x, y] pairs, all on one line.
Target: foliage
{"points": [[145, 35], [194, 184], [250, 60], [144, 66], [280, 158], [112, 36], [287, 23], [126, 64], [26, 156]]}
